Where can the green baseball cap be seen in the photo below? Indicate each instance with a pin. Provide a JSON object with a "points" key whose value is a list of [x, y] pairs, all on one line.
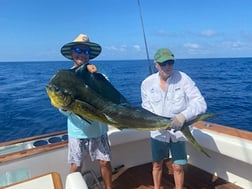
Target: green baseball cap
{"points": [[163, 55]]}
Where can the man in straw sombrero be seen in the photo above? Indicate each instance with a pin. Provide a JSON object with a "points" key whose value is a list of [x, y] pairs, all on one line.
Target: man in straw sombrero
{"points": [[86, 137]]}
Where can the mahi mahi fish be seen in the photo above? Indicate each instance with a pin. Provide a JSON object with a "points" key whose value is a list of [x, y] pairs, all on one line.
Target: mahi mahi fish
{"points": [[93, 97]]}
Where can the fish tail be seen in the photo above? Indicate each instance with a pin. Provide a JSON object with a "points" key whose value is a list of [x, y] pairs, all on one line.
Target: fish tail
{"points": [[185, 130], [192, 140]]}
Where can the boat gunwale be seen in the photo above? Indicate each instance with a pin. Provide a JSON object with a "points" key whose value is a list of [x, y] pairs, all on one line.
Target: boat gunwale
{"points": [[32, 151], [213, 127], [201, 125], [23, 140]]}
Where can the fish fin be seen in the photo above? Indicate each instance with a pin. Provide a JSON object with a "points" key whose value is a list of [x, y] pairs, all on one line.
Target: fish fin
{"points": [[97, 82], [106, 89], [88, 121], [87, 111], [110, 119]]}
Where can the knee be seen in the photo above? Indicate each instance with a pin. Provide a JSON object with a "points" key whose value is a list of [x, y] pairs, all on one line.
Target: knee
{"points": [[74, 168], [177, 168], [157, 165], [105, 163]]}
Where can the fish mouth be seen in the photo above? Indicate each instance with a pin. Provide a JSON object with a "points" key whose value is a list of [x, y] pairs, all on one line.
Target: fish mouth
{"points": [[60, 98], [53, 88]]}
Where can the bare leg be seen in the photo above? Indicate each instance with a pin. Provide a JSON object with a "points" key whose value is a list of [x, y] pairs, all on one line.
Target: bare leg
{"points": [[106, 173], [178, 172], [157, 173], [74, 168]]}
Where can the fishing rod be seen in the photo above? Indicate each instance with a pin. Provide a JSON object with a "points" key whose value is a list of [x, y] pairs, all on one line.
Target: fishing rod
{"points": [[145, 41]]}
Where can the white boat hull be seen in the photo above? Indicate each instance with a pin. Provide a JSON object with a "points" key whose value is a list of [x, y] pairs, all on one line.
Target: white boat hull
{"points": [[231, 156]]}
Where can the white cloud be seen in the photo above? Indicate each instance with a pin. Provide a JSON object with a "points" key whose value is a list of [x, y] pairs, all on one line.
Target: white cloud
{"points": [[233, 44], [208, 33], [192, 45], [114, 48], [137, 47]]}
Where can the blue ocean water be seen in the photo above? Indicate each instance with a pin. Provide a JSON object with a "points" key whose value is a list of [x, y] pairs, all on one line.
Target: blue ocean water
{"points": [[25, 109]]}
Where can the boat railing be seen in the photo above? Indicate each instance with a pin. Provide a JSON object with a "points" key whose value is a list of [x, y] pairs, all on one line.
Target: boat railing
{"points": [[11, 150]]}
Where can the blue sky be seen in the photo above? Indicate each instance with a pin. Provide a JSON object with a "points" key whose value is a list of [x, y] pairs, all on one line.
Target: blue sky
{"points": [[35, 30]]}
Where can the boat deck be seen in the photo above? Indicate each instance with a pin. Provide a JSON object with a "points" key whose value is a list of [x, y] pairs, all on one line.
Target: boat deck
{"points": [[140, 177]]}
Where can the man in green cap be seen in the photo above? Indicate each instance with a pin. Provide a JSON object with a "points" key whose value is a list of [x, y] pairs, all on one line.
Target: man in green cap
{"points": [[171, 94]]}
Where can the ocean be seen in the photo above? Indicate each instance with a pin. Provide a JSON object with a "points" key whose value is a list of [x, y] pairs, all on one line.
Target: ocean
{"points": [[25, 109]]}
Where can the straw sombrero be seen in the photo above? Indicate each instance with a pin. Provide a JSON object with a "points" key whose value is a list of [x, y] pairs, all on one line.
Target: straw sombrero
{"points": [[82, 39]]}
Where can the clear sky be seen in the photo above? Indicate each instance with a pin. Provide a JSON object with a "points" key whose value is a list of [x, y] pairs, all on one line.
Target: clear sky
{"points": [[35, 30]]}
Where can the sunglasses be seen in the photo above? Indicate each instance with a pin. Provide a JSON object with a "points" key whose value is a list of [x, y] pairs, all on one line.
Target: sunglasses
{"points": [[168, 62], [79, 50]]}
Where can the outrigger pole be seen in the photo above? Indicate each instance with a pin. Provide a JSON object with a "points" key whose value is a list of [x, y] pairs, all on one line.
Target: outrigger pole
{"points": [[145, 42]]}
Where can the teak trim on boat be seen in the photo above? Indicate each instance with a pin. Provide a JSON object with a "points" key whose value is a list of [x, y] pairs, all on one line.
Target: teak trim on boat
{"points": [[202, 125]]}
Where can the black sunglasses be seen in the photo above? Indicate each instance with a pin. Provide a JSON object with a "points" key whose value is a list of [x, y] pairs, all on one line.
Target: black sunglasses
{"points": [[79, 50], [168, 62]]}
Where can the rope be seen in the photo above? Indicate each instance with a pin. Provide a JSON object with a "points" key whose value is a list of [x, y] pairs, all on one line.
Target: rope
{"points": [[145, 42]]}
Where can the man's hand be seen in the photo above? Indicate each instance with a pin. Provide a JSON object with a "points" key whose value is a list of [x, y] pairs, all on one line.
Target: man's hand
{"points": [[91, 68], [177, 122]]}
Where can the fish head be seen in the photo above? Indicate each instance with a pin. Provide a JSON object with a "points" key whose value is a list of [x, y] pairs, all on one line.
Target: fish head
{"points": [[63, 88], [59, 98]]}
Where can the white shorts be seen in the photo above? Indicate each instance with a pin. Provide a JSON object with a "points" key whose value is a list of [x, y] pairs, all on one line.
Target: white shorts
{"points": [[98, 149]]}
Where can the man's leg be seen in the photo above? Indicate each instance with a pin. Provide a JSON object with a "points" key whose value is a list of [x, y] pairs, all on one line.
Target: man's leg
{"points": [[157, 173], [74, 168], [75, 154], [178, 173], [179, 158], [160, 151], [106, 173], [100, 150]]}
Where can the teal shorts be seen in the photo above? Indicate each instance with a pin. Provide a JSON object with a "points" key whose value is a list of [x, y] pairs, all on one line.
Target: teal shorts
{"points": [[160, 151]]}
